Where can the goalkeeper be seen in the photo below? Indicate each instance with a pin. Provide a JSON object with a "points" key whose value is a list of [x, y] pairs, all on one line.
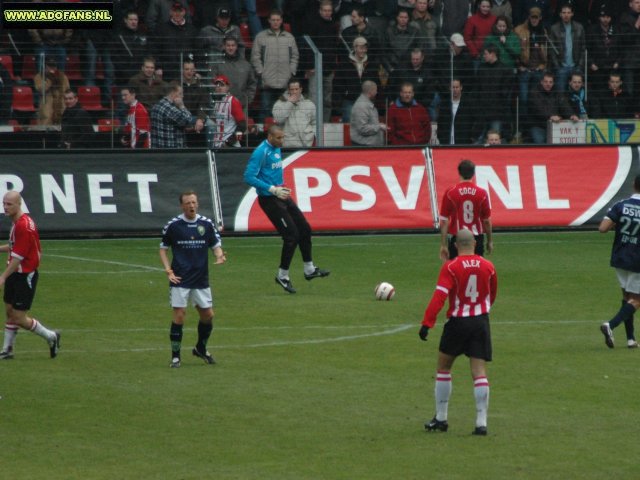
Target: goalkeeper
{"points": [[264, 172]]}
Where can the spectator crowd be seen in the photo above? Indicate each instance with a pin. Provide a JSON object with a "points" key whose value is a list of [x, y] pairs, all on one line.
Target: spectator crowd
{"points": [[177, 73]]}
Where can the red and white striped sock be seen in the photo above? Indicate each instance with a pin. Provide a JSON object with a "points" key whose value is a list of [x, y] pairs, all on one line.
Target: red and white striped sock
{"points": [[44, 332], [443, 393], [481, 393], [10, 332]]}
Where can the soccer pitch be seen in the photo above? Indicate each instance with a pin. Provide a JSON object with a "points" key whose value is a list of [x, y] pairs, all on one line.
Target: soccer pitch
{"points": [[327, 383]]}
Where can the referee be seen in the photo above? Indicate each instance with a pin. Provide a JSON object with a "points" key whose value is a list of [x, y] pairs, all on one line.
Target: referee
{"points": [[264, 173]]}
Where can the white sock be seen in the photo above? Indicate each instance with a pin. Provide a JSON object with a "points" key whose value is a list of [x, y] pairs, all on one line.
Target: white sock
{"points": [[283, 274], [443, 393], [44, 332], [481, 392], [10, 332], [309, 268]]}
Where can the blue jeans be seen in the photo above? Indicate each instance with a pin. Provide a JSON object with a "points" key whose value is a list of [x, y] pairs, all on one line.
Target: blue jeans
{"points": [[255, 25], [89, 74], [59, 52], [562, 78], [538, 135], [526, 79]]}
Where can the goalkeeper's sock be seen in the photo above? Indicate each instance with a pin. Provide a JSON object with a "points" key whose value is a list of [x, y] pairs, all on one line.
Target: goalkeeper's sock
{"points": [[443, 393], [309, 268], [204, 332], [283, 274], [626, 311], [481, 393], [175, 335]]}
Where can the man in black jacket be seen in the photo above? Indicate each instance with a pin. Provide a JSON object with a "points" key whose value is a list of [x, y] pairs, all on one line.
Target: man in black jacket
{"points": [[615, 103], [77, 126], [456, 118], [128, 49]]}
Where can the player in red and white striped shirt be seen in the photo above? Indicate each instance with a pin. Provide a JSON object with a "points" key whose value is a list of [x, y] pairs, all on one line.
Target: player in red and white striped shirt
{"points": [[471, 284], [465, 205], [20, 277]]}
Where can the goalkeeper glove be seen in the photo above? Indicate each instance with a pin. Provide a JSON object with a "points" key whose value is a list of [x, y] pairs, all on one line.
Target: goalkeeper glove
{"points": [[281, 192]]}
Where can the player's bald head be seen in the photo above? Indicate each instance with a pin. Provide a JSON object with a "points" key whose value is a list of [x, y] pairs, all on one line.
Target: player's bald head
{"points": [[13, 196], [465, 239]]}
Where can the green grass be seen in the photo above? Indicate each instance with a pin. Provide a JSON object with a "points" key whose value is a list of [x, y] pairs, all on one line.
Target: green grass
{"points": [[324, 384]]}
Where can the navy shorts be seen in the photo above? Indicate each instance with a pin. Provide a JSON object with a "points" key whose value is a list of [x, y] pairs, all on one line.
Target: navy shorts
{"points": [[468, 335], [20, 289]]}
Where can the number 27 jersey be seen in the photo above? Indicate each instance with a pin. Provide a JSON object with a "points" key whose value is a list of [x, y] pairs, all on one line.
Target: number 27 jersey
{"points": [[465, 205], [625, 253]]}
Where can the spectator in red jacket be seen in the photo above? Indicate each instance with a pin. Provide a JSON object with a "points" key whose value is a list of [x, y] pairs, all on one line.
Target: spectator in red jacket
{"points": [[408, 121], [477, 28], [137, 131]]}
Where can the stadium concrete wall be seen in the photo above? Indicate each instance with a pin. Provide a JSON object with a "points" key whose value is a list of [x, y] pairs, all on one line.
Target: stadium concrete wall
{"points": [[135, 193]]}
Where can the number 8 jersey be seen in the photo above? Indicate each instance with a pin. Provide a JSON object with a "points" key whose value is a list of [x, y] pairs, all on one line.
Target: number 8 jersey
{"points": [[471, 284], [465, 205]]}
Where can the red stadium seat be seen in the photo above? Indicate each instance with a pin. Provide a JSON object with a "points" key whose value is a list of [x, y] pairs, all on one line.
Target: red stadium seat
{"points": [[7, 62], [246, 35], [72, 68], [29, 67], [268, 121], [22, 99], [107, 124], [89, 98]]}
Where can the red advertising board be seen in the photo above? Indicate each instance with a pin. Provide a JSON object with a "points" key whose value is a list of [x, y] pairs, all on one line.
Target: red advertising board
{"points": [[351, 190], [544, 186], [390, 190]]}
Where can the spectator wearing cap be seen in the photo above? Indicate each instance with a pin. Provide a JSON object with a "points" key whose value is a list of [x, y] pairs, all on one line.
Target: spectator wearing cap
{"points": [[567, 47], [630, 47], [296, 115], [211, 37], [274, 57], [159, 12], [477, 29], [603, 50], [533, 55], [523, 8], [353, 69], [170, 119], [238, 70], [175, 41], [229, 123], [51, 86], [454, 62]]}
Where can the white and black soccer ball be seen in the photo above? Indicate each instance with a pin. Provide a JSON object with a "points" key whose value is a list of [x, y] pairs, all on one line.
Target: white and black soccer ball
{"points": [[384, 291]]}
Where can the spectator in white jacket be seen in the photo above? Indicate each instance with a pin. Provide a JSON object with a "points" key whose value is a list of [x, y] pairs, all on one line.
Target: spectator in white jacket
{"points": [[296, 115]]}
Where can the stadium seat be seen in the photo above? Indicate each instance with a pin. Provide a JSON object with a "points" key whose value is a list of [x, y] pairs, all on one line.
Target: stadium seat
{"points": [[286, 27], [268, 121], [246, 35], [108, 124], [89, 98], [29, 67], [72, 68], [7, 62], [22, 99]]}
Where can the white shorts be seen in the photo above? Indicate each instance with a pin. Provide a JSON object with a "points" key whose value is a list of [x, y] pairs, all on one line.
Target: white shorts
{"points": [[201, 297], [629, 281]]}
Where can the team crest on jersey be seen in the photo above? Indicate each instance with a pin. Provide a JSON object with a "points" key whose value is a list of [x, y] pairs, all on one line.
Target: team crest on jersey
{"points": [[201, 230]]}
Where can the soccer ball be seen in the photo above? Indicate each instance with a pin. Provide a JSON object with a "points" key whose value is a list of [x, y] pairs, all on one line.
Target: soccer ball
{"points": [[384, 291]]}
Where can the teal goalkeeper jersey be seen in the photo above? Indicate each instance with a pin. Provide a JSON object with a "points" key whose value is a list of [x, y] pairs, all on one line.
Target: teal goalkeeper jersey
{"points": [[264, 168]]}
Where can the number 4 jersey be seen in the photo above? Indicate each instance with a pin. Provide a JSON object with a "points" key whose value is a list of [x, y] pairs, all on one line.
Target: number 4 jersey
{"points": [[625, 253], [465, 205], [471, 284]]}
